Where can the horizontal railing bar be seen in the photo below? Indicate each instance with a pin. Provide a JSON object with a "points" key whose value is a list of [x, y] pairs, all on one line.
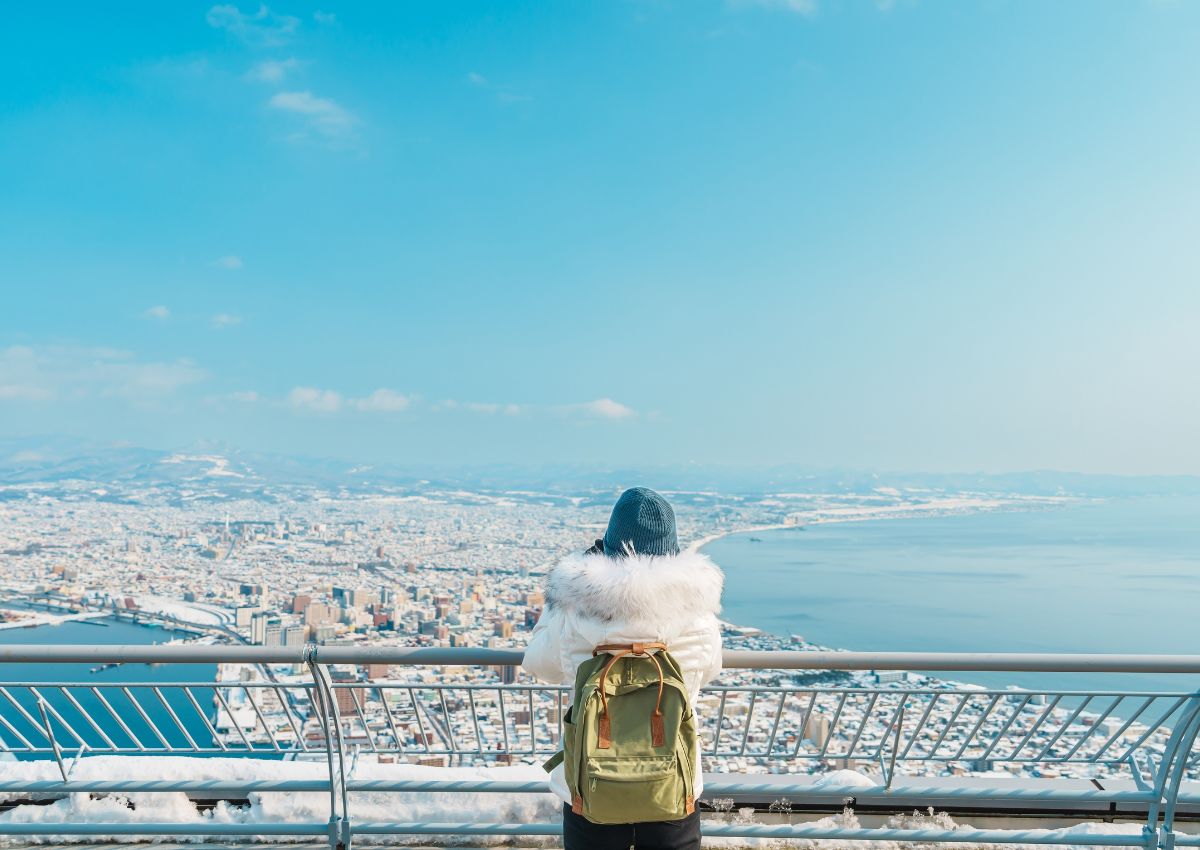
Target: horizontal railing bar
{"points": [[898, 690], [972, 836], [549, 689], [470, 656], [264, 749], [151, 828], [475, 786]]}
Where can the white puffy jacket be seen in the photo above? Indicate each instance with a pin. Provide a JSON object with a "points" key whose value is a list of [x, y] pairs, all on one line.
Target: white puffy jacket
{"points": [[595, 599]]}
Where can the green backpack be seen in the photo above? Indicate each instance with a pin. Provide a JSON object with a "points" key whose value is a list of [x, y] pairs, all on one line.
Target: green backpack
{"points": [[629, 738]]}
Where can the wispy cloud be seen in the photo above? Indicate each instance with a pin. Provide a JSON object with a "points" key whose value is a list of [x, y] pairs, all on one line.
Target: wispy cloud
{"points": [[158, 312], [606, 408], [77, 372], [313, 400], [807, 8], [229, 262], [273, 70], [245, 396], [262, 28], [325, 19], [503, 94], [225, 320], [487, 408], [321, 114], [383, 401], [23, 377]]}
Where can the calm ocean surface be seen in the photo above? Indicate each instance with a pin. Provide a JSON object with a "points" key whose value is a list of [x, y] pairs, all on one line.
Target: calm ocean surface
{"points": [[1115, 576]]}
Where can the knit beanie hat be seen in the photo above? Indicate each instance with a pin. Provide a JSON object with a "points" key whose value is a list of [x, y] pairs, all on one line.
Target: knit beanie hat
{"points": [[642, 523]]}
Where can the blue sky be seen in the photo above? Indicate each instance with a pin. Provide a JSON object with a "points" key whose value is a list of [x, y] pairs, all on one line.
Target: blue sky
{"points": [[899, 235]]}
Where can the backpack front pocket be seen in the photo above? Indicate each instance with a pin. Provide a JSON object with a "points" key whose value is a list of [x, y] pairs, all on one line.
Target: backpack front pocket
{"points": [[633, 790]]}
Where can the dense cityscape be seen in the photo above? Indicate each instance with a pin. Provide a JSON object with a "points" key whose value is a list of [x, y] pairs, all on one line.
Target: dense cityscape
{"points": [[428, 566]]}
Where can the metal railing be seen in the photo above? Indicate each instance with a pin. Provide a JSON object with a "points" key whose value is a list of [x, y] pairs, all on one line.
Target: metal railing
{"points": [[898, 732]]}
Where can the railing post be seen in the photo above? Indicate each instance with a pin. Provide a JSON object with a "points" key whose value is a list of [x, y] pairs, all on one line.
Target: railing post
{"points": [[1169, 776], [340, 833], [1182, 752]]}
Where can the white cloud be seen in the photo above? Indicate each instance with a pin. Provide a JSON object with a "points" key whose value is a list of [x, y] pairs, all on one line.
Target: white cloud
{"points": [[158, 311], [150, 379], [225, 320], [273, 70], [807, 8], [488, 408], [322, 114], [606, 408], [325, 18], [383, 401], [502, 94], [22, 377], [77, 372], [314, 400], [262, 28], [244, 396], [230, 262]]}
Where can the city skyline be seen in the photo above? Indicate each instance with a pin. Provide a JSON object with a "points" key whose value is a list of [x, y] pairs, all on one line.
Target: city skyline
{"points": [[893, 235]]}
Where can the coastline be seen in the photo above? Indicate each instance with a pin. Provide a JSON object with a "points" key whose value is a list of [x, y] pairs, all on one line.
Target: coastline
{"points": [[40, 618], [935, 508], [696, 545], [929, 510]]}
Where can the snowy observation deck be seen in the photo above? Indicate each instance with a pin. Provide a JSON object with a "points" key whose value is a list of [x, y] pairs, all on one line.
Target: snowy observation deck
{"points": [[374, 743]]}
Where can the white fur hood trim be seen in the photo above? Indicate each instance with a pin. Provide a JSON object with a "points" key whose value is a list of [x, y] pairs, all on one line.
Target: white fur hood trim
{"points": [[639, 590]]}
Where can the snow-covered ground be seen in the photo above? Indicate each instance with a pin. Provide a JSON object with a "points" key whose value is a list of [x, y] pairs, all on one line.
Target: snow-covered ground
{"points": [[191, 612], [23, 619], [266, 808]]}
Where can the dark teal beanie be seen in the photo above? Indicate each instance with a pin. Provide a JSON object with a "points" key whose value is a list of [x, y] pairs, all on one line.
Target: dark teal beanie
{"points": [[642, 521]]}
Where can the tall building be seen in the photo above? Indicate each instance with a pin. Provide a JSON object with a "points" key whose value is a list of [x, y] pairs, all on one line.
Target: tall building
{"points": [[349, 700], [260, 623], [316, 614], [242, 615]]}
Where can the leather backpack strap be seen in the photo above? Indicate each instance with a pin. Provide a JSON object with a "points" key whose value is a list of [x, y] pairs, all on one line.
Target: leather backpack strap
{"points": [[640, 650], [632, 648]]}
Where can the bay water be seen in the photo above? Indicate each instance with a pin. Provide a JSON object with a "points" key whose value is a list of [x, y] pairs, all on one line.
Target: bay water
{"points": [[1108, 576], [131, 729]]}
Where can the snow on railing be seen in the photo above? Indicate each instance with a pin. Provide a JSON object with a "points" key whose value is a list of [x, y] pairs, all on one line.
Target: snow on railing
{"points": [[318, 723]]}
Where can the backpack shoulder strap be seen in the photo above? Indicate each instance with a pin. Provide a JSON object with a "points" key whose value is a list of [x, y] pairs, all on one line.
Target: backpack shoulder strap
{"points": [[554, 761]]}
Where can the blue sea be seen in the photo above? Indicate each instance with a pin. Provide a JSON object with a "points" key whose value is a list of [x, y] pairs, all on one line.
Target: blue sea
{"points": [[101, 632], [1111, 576]]}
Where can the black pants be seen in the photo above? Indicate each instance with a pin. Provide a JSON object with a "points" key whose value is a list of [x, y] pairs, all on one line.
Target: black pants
{"points": [[579, 833]]}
